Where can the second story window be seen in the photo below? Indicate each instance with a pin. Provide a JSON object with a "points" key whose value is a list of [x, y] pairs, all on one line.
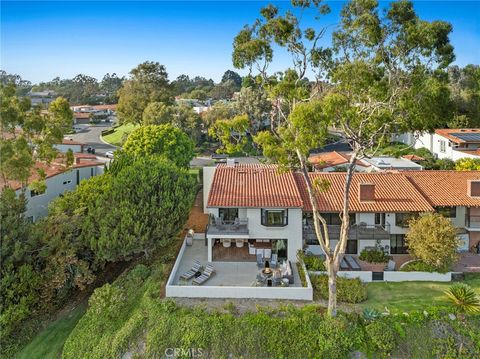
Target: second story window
{"points": [[443, 147], [402, 219], [447, 212], [274, 217], [228, 214]]}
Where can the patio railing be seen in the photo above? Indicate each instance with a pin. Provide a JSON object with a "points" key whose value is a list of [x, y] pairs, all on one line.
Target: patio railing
{"points": [[217, 225], [472, 221], [356, 232]]}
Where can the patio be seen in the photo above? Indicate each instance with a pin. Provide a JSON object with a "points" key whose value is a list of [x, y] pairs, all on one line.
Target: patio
{"points": [[231, 274]]}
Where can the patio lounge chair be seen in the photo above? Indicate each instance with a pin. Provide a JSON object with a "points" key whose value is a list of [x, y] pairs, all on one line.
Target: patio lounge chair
{"points": [[277, 278], [260, 260], [390, 266], [274, 261], [195, 268], [207, 273], [344, 264], [352, 263]]}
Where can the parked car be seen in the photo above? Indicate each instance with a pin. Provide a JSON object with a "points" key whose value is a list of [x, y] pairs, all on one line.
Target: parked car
{"points": [[109, 154]]}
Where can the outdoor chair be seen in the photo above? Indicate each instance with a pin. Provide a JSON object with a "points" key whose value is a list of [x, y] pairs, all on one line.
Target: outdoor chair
{"points": [[195, 268], [236, 223], [219, 223], [352, 263], [260, 260], [390, 266], [277, 278], [207, 273], [274, 260]]}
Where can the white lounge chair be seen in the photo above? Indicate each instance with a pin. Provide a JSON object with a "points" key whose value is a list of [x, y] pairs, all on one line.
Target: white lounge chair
{"points": [[190, 273], [390, 266], [207, 273]]}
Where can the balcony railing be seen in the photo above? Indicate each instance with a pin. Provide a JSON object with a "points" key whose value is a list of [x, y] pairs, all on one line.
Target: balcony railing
{"points": [[219, 226], [472, 221], [356, 232]]}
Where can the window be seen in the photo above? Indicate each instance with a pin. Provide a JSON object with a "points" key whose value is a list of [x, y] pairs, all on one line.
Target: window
{"points": [[78, 177], [67, 182], [228, 214], [442, 146], [91, 172], [402, 219], [34, 193], [380, 219], [397, 244], [274, 217], [334, 218], [447, 212]]}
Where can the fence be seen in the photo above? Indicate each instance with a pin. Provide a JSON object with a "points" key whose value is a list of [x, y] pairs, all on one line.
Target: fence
{"points": [[393, 276]]}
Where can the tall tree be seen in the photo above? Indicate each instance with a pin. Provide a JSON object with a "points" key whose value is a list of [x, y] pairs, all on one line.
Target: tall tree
{"points": [[234, 77], [255, 104], [161, 140], [148, 83], [388, 75], [110, 85]]}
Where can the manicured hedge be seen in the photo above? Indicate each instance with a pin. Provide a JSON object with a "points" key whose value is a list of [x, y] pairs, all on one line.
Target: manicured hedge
{"points": [[348, 290]]}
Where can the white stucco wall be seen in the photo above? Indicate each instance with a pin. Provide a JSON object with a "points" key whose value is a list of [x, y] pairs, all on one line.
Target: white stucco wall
{"points": [[37, 206], [208, 173]]}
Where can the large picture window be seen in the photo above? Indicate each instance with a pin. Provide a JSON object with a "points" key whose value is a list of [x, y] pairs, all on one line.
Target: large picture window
{"points": [[402, 219], [397, 244], [228, 214], [274, 217], [447, 212]]}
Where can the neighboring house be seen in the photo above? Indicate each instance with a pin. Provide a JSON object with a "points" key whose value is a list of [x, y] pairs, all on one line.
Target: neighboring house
{"points": [[42, 97], [70, 144], [255, 203], [338, 161], [452, 144], [84, 113], [58, 180]]}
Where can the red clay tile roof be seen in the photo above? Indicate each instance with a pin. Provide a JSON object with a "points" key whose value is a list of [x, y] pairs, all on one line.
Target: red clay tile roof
{"points": [[68, 141], [448, 133], [259, 186], [445, 188], [55, 168], [393, 193], [331, 159], [81, 115], [413, 158]]}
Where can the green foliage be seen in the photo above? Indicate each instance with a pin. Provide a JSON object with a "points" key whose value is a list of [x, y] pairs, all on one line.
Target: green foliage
{"points": [[382, 336], [157, 113], [432, 238], [232, 134], [463, 298], [468, 164], [419, 266], [349, 290], [148, 83], [374, 255], [312, 263], [165, 141]]}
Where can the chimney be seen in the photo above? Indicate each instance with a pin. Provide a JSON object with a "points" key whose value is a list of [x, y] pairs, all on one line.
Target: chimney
{"points": [[230, 162], [366, 192], [77, 160], [474, 188]]}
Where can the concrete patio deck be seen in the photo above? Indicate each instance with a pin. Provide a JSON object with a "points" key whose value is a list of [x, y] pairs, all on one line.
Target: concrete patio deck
{"points": [[231, 274]]}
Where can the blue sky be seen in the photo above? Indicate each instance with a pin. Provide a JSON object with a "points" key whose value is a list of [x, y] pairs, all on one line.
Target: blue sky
{"points": [[41, 40]]}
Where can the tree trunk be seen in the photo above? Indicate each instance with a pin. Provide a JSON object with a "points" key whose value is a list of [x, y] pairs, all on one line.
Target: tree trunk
{"points": [[332, 287]]}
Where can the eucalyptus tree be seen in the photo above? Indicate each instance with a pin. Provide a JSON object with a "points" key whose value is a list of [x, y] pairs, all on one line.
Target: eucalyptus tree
{"points": [[383, 72]]}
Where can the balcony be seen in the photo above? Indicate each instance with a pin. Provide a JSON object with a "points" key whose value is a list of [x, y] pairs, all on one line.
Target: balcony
{"points": [[356, 232], [219, 227]]}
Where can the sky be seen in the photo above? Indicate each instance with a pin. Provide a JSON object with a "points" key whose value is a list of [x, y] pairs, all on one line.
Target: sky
{"points": [[41, 40]]}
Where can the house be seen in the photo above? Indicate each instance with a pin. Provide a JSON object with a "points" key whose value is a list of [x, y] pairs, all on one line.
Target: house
{"points": [[70, 144], [258, 203], [452, 144], [42, 98], [58, 180], [337, 162]]}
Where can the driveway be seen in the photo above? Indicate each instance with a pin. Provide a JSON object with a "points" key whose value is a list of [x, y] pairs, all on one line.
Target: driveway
{"points": [[90, 134]]}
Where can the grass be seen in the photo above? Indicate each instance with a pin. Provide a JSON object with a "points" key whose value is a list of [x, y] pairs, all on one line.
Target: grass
{"points": [[116, 137], [49, 342], [407, 296]]}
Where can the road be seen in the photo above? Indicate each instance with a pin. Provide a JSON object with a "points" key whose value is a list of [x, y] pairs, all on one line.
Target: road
{"points": [[90, 134]]}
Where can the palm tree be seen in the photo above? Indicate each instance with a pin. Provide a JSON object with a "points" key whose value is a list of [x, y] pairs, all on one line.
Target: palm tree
{"points": [[463, 298]]}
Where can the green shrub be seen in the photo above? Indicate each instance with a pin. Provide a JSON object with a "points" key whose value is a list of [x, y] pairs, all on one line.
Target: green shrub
{"points": [[463, 298], [374, 256], [312, 263], [349, 290], [382, 336], [419, 266]]}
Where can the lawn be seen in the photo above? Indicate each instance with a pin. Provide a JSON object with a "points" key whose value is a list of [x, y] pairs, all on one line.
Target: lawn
{"points": [[406, 296], [116, 137], [49, 342]]}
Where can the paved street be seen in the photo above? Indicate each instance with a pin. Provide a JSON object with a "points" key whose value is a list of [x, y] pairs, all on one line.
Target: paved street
{"points": [[91, 136]]}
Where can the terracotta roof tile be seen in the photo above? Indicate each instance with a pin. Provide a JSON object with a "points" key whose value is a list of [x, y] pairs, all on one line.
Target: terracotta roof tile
{"points": [[331, 159], [445, 188], [393, 193], [413, 158], [253, 185]]}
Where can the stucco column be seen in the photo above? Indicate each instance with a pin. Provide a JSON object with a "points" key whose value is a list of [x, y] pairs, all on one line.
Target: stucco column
{"points": [[210, 255]]}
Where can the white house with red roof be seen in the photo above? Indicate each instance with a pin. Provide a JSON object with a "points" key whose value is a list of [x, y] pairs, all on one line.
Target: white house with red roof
{"points": [[450, 143]]}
